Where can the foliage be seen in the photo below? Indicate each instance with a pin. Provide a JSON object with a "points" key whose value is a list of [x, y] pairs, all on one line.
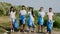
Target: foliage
{"points": [[4, 10]]}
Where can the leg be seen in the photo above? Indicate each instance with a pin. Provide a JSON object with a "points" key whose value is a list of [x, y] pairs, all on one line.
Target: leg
{"points": [[30, 29], [41, 28], [38, 28], [11, 23], [11, 26], [34, 28], [20, 25], [50, 33], [23, 24], [23, 27]]}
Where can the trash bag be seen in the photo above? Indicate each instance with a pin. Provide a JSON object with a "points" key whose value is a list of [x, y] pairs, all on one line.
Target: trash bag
{"points": [[16, 24], [22, 18], [29, 22], [40, 20], [49, 25]]}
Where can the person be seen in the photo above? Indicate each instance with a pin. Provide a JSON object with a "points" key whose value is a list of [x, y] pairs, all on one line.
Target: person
{"points": [[50, 21], [31, 20], [22, 16], [41, 15], [12, 18]]}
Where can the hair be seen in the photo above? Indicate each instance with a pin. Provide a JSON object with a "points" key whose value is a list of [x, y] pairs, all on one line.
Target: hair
{"points": [[40, 8], [50, 8], [31, 11], [23, 6], [11, 9]]}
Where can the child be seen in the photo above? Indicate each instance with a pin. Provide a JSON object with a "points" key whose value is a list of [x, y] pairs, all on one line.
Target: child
{"points": [[12, 18], [22, 15], [50, 21], [41, 15], [31, 19]]}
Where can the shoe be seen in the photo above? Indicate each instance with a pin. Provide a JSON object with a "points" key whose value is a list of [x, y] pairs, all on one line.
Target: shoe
{"points": [[11, 31], [29, 31]]}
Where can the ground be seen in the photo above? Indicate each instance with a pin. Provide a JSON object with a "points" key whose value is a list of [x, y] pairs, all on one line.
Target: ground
{"points": [[4, 22]]}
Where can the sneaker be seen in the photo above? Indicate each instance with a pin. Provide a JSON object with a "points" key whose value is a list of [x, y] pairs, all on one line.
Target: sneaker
{"points": [[29, 31], [34, 31], [11, 31], [19, 31], [5, 33], [22, 30]]}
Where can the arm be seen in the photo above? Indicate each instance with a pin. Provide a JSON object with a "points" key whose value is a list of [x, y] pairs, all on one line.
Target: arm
{"points": [[25, 12], [53, 18], [9, 13], [47, 15], [19, 14], [38, 14]]}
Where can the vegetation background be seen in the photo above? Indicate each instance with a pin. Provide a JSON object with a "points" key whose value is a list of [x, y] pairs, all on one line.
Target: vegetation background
{"points": [[4, 17]]}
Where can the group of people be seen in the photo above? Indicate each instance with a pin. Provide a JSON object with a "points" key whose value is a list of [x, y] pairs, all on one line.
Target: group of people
{"points": [[30, 19]]}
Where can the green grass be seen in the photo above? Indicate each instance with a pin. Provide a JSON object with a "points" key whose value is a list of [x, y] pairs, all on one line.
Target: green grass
{"points": [[4, 26], [7, 24], [2, 30]]}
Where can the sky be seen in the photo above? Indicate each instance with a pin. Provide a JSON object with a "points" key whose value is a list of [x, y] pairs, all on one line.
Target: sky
{"points": [[55, 4]]}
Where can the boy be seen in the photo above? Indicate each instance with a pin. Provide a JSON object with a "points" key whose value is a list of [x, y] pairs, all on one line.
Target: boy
{"points": [[50, 21], [22, 15]]}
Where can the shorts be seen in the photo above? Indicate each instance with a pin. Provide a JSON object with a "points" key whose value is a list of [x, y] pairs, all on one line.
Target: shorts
{"points": [[22, 19], [12, 19], [22, 22], [49, 26], [40, 21], [31, 23]]}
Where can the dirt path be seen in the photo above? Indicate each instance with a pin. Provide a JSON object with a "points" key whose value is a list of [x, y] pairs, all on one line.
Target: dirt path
{"points": [[5, 19], [54, 32]]}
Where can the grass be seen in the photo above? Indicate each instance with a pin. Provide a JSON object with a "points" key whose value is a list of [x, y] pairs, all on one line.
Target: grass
{"points": [[4, 19], [4, 23], [2, 30]]}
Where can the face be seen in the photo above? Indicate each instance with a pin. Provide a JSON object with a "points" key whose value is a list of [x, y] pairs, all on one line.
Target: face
{"points": [[12, 9], [23, 7], [30, 9], [50, 10], [42, 9]]}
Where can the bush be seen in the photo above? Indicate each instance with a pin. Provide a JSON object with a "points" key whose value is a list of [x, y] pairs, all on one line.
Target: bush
{"points": [[57, 22], [4, 8]]}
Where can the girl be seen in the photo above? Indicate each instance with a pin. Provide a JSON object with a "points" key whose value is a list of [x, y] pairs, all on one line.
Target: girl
{"points": [[41, 15], [12, 18], [50, 21], [31, 19], [22, 15]]}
